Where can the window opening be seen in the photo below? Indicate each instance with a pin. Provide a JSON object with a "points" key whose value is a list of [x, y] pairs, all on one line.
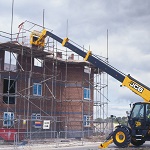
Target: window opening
{"points": [[87, 69], [87, 93], [37, 89], [138, 111], [38, 62], [36, 116], [86, 119], [8, 118], [9, 99], [10, 61]]}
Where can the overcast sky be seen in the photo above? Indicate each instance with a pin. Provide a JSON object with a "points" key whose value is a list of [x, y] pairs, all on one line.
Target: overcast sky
{"points": [[127, 22]]}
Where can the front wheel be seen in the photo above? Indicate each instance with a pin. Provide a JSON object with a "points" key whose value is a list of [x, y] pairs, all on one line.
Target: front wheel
{"points": [[121, 137]]}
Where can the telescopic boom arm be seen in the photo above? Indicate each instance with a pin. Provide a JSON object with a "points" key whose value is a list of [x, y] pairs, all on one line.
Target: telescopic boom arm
{"points": [[131, 83]]}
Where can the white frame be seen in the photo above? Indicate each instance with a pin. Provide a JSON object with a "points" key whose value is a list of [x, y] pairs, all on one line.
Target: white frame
{"points": [[87, 98], [86, 119], [9, 121], [36, 115], [37, 94], [38, 62]]}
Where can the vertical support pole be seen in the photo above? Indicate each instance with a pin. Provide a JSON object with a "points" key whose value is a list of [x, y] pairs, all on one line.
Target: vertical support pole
{"points": [[29, 85], [107, 74], [12, 18], [43, 17]]}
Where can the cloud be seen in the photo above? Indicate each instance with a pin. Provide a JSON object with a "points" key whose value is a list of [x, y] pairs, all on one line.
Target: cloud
{"points": [[118, 110], [128, 28]]}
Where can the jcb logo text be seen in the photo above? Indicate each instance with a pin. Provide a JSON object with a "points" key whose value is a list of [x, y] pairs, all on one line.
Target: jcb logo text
{"points": [[136, 87]]}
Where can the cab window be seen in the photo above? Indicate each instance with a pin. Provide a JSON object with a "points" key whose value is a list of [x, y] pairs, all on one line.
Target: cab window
{"points": [[138, 111]]}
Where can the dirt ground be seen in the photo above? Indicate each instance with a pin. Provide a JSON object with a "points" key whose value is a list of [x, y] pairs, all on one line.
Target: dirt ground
{"points": [[90, 143]]}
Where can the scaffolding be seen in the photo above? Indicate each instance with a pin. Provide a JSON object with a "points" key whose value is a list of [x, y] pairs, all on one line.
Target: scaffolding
{"points": [[55, 85]]}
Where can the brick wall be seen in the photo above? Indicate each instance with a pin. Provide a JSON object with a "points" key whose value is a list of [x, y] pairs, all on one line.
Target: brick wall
{"points": [[62, 93]]}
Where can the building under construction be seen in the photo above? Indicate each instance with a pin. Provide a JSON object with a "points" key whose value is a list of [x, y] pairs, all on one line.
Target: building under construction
{"points": [[48, 88]]}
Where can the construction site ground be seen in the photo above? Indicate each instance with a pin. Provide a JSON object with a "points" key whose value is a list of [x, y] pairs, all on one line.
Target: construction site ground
{"points": [[65, 144], [70, 146]]}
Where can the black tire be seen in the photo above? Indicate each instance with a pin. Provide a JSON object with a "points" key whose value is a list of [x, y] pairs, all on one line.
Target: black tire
{"points": [[137, 142], [121, 137]]}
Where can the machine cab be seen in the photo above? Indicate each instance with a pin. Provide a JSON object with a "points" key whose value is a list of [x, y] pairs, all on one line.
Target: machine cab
{"points": [[140, 115]]}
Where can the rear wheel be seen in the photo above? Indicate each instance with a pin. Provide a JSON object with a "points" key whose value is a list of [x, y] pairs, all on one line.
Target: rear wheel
{"points": [[137, 142], [121, 137]]}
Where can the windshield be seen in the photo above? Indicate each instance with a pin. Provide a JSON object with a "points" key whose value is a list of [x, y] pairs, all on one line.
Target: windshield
{"points": [[138, 111]]}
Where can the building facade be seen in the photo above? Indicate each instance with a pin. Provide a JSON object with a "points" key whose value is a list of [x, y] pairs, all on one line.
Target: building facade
{"points": [[38, 86]]}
